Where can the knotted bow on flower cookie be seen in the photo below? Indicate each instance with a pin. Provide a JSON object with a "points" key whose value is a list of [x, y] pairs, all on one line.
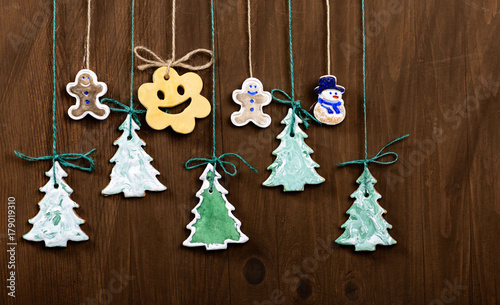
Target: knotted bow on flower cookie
{"points": [[172, 92]]}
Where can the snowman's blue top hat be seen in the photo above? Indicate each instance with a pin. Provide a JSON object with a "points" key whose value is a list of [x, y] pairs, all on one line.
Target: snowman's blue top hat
{"points": [[328, 82]]}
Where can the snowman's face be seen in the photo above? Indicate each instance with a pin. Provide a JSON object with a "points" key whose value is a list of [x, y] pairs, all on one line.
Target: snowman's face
{"points": [[331, 95], [85, 79], [252, 88]]}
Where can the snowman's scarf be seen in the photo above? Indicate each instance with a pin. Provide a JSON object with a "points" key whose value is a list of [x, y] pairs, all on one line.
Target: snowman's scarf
{"points": [[330, 105]]}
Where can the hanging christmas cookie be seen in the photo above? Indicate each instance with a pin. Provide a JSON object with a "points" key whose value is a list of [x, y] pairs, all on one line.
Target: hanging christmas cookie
{"points": [[293, 167], [132, 174], [251, 98], [56, 223], [169, 89], [330, 107], [214, 226], [171, 92], [87, 91], [366, 228]]}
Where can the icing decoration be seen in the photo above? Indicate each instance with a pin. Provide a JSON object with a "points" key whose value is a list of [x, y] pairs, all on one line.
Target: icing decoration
{"points": [[86, 89], [169, 93], [251, 98], [214, 226], [293, 167], [132, 174], [56, 223]]}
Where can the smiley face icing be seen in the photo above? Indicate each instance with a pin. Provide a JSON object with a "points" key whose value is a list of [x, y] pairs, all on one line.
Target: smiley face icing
{"points": [[87, 90], [251, 98], [171, 92], [330, 107]]}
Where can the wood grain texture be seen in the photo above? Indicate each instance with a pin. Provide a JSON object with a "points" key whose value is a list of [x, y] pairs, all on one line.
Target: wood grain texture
{"points": [[432, 71]]}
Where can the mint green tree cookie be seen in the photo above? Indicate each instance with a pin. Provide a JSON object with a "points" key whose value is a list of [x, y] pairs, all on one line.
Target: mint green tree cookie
{"points": [[293, 167], [366, 228]]}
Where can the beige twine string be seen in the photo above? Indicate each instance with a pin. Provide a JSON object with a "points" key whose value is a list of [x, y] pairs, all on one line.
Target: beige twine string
{"points": [[87, 43], [328, 43], [157, 61], [249, 25]]}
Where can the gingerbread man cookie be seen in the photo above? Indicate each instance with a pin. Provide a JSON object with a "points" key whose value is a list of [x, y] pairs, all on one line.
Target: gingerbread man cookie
{"points": [[87, 90], [251, 98], [167, 93], [330, 107]]}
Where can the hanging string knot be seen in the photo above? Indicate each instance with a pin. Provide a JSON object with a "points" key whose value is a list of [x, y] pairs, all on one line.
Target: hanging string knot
{"points": [[379, 155], [297, 109], [65, 159], [218, 160], [157, 61], [124, 108]]}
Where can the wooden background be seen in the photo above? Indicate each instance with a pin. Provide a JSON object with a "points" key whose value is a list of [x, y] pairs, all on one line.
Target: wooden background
{"points": [[433, 72]]}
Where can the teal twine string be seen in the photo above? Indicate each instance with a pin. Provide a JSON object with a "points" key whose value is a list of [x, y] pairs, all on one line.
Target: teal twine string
{"points": [[54, 88], [366, 161], [212, 14], [379, 155], [364, 76], [66, 158], [214, 160], [292, 74], [124, 108], [297, 109], [54, 92], [132, 71]]}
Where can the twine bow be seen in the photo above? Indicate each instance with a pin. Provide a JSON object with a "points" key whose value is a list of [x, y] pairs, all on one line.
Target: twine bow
{"points": [[379, 155], [181, 62], [64, 159], [124, 108], [297, 109], [218, 160]]}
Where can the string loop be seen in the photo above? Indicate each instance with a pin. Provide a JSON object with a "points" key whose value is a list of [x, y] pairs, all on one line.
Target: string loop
{"points": [[64, 159], [157, 61], [297, 109], [379, 155], [124, 108], [218, 160]]}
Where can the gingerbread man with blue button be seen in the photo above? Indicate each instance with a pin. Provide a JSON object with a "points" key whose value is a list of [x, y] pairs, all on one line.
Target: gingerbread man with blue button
{"points": [[251, 98], [87, 91], [330, 107]]}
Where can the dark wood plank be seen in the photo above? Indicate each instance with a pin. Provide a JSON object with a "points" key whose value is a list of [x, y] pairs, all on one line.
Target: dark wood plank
{"points": [[480, 109], [444, 182]]}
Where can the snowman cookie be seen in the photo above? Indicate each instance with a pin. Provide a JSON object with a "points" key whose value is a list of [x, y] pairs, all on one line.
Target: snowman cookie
{"points": [[87, 90], [330, 107], [251, 98]]}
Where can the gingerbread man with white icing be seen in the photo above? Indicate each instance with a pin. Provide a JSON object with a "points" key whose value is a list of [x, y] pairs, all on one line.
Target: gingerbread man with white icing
{"points": [[87, 90], [251, 98]]}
